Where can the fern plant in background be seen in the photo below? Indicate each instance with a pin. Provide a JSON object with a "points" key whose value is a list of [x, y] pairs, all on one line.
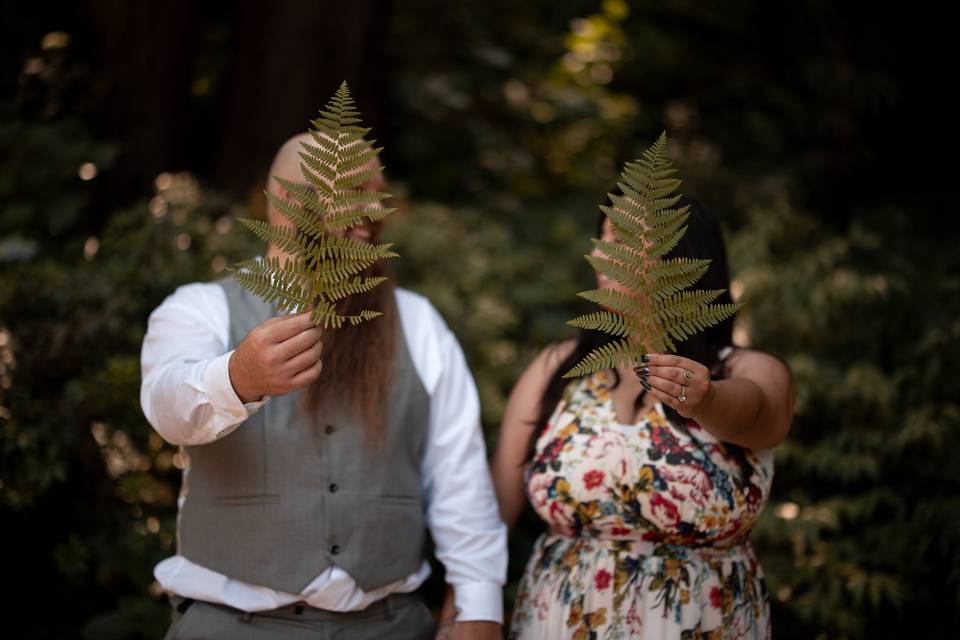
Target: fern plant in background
{"points": [[658, 307], [327, 266]]}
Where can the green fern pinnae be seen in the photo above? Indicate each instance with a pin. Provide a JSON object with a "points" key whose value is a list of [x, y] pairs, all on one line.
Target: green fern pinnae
{"points": [[287, 238], [688, 302], [693, 268], [329, 317], [677, 274], [626, 219], [682, 327], [332, 272], [666, 244], [305, 219], [347, 247], [605, 321], [620, 252], [354, 286], [305, 196], [327, 266], [665, 224], [261, 277], [614, 300], [357, 178], [351, 217], [665, 206], [606, 356], [659, 307], [618, 272]]}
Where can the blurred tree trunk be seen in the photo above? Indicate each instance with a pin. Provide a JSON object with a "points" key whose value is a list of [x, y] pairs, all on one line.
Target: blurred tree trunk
{"points": [[285, 61], [291, 56], [147, 52]]}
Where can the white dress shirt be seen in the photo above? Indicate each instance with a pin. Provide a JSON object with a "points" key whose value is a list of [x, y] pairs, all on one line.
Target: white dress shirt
{"points": [[187, 396]]}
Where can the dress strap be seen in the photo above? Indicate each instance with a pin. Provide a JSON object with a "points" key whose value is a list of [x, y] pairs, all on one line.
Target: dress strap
{"points": [[717, 369]]}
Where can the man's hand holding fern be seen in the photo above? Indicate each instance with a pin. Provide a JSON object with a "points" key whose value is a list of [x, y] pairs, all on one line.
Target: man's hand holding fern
{"points": [[278, 356]]}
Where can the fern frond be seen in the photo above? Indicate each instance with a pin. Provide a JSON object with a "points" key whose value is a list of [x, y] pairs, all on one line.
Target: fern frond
{"points": [[617, 301], [287, 238], [607, 356], [619, 272], [605, 321], [658, 307], [356, 285], [346, 247], [698, 319], [677, 274], [617, 251], [304, 219], [327, 265]]}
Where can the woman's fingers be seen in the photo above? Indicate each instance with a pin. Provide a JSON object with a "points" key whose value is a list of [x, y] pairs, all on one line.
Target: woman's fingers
{"points": [[665, 385], [664, 398]]}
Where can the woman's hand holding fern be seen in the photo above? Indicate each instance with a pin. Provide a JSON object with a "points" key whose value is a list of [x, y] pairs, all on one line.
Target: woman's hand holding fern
{"points": [[278, 356], [669, 377]]}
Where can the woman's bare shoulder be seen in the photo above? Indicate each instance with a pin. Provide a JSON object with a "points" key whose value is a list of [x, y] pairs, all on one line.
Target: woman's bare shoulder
{"points": [[556, 352], [545, 364], [759, 365]]}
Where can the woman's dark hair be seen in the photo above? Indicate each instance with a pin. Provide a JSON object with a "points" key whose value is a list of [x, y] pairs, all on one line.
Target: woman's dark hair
{"points": [[703, 239]]}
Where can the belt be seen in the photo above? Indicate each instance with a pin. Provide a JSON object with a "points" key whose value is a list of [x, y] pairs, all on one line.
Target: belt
{"points": [[381, 609]]}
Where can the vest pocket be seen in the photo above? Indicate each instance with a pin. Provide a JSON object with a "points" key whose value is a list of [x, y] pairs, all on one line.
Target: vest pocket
{"points": [[401, 531], [232, 470]]}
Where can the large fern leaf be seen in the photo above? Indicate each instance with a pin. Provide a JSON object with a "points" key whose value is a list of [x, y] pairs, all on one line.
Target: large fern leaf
{"points": [[327, 266], [658, 307]]}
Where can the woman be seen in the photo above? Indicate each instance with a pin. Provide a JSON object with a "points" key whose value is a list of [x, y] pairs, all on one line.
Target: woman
{"points": [[649, 480]]}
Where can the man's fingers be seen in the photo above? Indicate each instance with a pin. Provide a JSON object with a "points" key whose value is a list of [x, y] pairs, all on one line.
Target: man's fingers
{"points": [[290, 326], [305, 359], [308, 375], [299, 343]]}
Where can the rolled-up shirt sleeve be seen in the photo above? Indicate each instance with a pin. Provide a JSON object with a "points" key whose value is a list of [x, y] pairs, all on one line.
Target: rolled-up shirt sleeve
{"points": [[185, 391], [469, 537]]}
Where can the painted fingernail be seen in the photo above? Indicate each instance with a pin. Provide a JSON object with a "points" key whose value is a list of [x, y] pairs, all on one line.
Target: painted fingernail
{"points": [[644, 358], [642, 370], [646, 385]]}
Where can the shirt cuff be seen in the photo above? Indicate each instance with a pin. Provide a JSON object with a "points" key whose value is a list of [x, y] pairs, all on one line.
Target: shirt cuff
{"points": [[478, 601], [223, 397]]}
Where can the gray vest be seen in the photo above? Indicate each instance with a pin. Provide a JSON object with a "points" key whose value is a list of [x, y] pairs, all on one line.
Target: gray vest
{"points": [[277, 501]]}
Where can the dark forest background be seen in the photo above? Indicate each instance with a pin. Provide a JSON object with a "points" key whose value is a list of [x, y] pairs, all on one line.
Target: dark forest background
{"points": [[134, 133]]}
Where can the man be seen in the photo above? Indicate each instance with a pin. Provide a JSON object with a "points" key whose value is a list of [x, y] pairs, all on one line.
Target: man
{"points": [[315, 466]]}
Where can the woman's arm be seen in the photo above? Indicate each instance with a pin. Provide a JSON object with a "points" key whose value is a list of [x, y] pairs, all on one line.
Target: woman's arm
{"points": [[516, 428], [752, 408]]}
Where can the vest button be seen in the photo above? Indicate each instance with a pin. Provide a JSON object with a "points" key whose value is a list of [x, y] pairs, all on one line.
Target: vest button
{"points": [[334, 487], [335, 549], [298, 609], [330, 429]]}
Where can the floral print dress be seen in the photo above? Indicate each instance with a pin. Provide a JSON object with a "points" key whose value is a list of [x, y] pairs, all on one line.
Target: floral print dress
{"points": [[648, 528]]}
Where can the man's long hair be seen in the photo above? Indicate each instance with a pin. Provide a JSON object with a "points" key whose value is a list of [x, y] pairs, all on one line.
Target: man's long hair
{"points": [[358, 360]]}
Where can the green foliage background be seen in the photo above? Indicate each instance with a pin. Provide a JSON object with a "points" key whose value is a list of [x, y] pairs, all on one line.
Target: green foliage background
{"points": [[502, 136]]}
